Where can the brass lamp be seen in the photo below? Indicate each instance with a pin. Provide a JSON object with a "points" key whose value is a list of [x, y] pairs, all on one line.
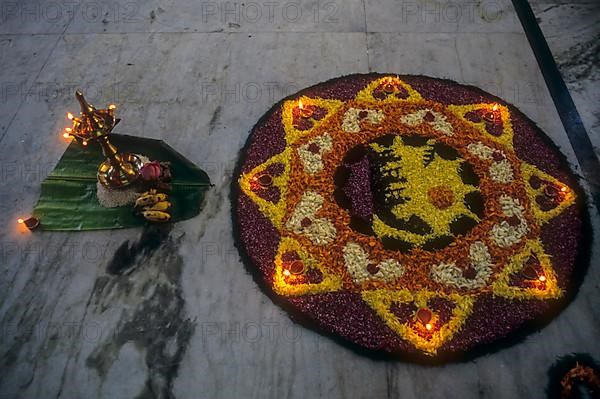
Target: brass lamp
{"points": [[119, 169]]}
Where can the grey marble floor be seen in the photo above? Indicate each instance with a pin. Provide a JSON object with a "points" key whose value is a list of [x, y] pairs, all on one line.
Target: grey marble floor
{"points": [[187, 321], [572, 30]]}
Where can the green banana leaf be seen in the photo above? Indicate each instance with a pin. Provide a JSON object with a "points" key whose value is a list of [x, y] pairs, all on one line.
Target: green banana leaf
{"points": [[68, 196]]}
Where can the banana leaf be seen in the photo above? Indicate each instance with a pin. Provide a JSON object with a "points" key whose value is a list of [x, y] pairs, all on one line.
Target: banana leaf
{"points": [[68, 198]]}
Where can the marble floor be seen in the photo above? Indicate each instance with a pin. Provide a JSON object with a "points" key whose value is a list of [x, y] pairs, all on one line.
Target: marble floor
{"points": [[186, 320], [573, 33]]}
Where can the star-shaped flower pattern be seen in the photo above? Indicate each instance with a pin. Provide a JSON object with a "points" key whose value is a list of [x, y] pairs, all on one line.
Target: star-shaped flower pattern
{"points": [[423, 294]]}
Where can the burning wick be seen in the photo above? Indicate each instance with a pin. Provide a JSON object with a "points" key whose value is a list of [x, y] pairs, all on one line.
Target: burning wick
{"points": [[112, 106], [70, 116], [563, 189], [542, 278], [20, 221], [428, 326], [495, 107], [286, 272], [84, 143]]}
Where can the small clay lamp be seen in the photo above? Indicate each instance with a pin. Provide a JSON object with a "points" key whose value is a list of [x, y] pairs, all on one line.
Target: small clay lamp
{"points": [[264, 180], [490, 116], [296, 267], [425, 315], [305, 112], [31, 222], [532, 268], [388, 87], [551, 191]]}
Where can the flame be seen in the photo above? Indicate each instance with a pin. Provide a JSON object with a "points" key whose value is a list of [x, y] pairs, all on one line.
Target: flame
{"points": [[300, 104], [428, 326], [286, 272], [20, 221], [495, 107], [563, 189], [542, 278], [112, 106], [66, 135], [69, 116], [84, 143]]}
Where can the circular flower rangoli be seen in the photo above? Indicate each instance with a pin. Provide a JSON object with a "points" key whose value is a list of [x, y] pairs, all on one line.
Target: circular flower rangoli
{"points": [[408, 214]]}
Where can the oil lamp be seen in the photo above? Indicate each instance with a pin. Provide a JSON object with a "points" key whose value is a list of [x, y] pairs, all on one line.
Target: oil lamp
{"points": [[305, 112], [425, 316], [388, 86], [297, 267], [490, 116], [264, 180], [119, 169], [293, 268], [31, 222], [551, 191]]}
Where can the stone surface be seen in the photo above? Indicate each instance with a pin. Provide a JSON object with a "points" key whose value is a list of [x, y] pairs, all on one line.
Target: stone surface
{"points": [[134, 313], [488, 16], [572, 30]]}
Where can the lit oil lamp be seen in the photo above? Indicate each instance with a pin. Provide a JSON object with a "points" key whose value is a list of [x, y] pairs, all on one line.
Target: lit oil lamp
{"points": [[119, 169], [67, 133], [305, 112], [31, 222], [297, 267], [388, 87], [533, 270], [490, 116], [425, 316]]}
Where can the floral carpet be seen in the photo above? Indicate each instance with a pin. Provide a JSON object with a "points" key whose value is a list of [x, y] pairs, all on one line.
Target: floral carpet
{"points": [[409, 215]]}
